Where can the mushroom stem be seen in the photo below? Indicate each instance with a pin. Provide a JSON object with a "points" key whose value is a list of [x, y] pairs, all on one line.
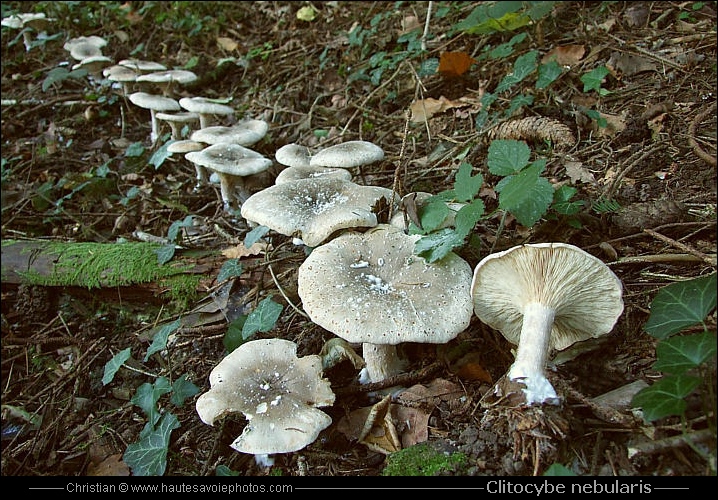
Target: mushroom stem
{"points": [[532, 353], [155, 126], [227, 185], [382, 361]]}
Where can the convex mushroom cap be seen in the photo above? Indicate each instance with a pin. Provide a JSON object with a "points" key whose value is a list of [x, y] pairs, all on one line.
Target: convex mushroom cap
{"points": [[142, 66], [293, 155], [545, 296], [232, 162], [278, 393], [244, 133], [205, 108], [155, 103], [348, 154], [290, 174], [314, 208], [167, 79], [372, 288]]}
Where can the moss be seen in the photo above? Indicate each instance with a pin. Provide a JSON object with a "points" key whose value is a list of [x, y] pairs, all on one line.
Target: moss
{"points": [[422, 460], [95, 265], [182, 289]]}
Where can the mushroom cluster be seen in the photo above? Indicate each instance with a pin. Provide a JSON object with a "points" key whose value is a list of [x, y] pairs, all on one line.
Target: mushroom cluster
{"points": [[88, 51]]}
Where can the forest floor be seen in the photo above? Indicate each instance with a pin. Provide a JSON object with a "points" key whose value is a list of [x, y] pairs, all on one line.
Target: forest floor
{"points": [[76, 168]]}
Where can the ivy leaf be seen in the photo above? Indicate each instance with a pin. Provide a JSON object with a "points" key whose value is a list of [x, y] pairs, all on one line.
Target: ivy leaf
{"points": [[230, 269], [665, 397], [263, 318], [159, 156], [526, 195], [507, 156], [159, 339], [547, 73], [115, 364], [148, 456], [182, 389], [165, 254], [173, 231], [467, 186], [437, 245], [682, 353], [523, 67], [593, 79], [233, 338], [254, 235], [134, 150], [680, 305], [147, 395]]}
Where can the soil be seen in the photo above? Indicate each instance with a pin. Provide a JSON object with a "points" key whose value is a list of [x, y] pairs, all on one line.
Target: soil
{"points": [[655, 159]]}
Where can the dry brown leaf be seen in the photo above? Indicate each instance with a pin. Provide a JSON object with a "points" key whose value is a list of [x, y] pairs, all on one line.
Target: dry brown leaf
{"points": [[240, 250], [578, 173], [565, 55], [454, 64], [111, 466], [423, 109], [227, 44]]}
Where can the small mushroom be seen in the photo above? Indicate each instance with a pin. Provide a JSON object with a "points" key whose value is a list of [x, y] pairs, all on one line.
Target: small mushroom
{"points": [[167, 80], [155, 103], [278, 393], [293, 155], [189, 146], [94, 65], [205, 108], [121, 74], [290, 174], [176, 120], [371, 288], [541, 297], [244, 133], [314, 208], [141, 66], [84, 44], [232, 163], [27, 21], [348, 154]]}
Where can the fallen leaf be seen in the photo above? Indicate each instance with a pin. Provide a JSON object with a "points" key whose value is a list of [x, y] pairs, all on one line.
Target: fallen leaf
{"points": [[111, 466], [578, 173], [227, 44], [565, 55], [240, 250], [623, 64], [453, 64], [423, 109]]}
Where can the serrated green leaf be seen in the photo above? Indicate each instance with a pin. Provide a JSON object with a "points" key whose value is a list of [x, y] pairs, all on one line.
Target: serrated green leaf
{"points": [[159, 339], [523, 67], [562, 203], [165, 254], [594, 78], [115, 364], [547, 74], [182, 389], [147, 395], [436, 246], [159, 156], [467, 186], [433, 214], [467, 217], [254, 235], [665, 397], [230, 269], [526, 195], [507, 156], [679, 354], [148, 456], [680, 305], [263, 318], [233, 338]]}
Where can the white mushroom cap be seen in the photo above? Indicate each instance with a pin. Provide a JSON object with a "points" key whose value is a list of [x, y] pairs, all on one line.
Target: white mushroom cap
{"points": [[293, 155], [348, 155], [97, 41], [291, 174], [585, 293], [278, 393], [168, 78], [142, 66], [205, 108], [35, 20], [121, 74], [314, 207], [176, 120], [94, 64], [154, 103], [80, 51], [244, 133], [372, 288], [185, 146]]}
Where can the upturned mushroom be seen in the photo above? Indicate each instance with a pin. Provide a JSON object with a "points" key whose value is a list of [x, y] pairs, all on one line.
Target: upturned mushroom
{"points": [[277, 392], [314, 208], [371, 288], [232, 163], [155, 103], [541, 297]]}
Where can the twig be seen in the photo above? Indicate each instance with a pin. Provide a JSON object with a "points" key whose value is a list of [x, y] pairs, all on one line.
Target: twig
{"points": [[426, 26], [711, 261], [608, 193], [281, 290], [657, 258], [651, 447], [709, 159], [403, 379]]}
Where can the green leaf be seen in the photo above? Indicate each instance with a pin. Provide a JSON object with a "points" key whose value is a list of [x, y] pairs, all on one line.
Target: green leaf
{"points": [[148, 456], [467, 186], [263, 318], [254, 235], [182, 389], [173, 231], [147, 395], [230, 269], [223, 470], [159, 339], [165, 254], [559, 470], [680, 305], [593, 79], [507, 156], [547, 74], [506, 49], [468, 216], [433, 214], [682, 353], [665, 397], [562, 203], [114, 364], [134, 150], [523, 67], [526, 195], [233, 338], [518, 102], [159, 156], [437, 245]]}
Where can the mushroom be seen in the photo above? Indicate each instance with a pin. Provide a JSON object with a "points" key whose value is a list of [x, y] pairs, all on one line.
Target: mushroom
{"points": [[293, 155], [544, 296], [278, 393], [205, 108], [232, 163], [348, 154], [154, 103], [166, 80], [244, 133], [82, 46], [372, 288], [189, 146], [314, 208], [290, 174], [25, 22], [122, 75], [142, 66], [176, 120], [94, 65]]}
